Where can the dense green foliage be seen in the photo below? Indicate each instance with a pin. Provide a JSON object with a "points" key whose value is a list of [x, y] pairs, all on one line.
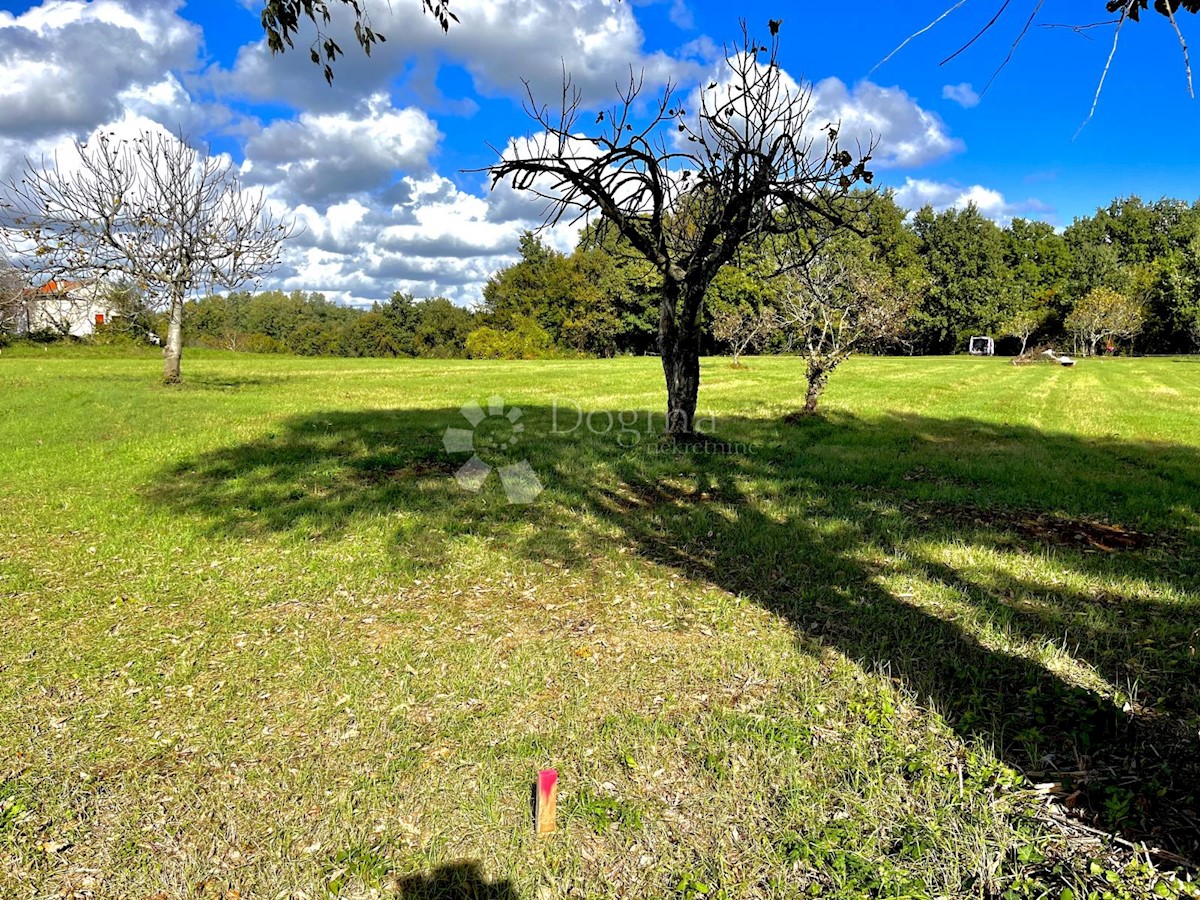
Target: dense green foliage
{"points": [[962, 275], [310, 325]]}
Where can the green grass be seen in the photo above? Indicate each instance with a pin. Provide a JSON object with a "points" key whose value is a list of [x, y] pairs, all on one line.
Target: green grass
{"points": [[256, 639]]}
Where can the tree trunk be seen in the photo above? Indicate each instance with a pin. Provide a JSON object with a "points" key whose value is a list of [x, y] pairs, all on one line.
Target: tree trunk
{"points": [[681, 365], [817, 379], [1024, 341], [173, 352], [680, 348]]}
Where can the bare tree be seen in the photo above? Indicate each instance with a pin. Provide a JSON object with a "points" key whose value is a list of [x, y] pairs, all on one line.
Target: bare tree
{"points": [[833, 305], [687, 190], [14, 309], [743, 328], [150, 209]]}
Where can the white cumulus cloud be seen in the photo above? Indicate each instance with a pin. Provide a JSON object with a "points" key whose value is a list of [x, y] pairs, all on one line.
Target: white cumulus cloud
{"points": [[71, 65], [501, 43], [430, 238], [919, 192], [330, 156], [907, 134], [962, 94]]}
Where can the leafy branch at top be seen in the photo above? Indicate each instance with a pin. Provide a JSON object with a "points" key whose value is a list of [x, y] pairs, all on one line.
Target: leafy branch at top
{"points": [[282, 19]]}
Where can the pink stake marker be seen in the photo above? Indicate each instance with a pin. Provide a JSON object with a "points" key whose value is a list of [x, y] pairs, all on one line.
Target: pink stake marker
{"points": [[547, 799]]}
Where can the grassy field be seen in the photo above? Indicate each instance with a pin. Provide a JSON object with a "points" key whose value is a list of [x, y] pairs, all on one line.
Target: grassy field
{"points": [[257, 641]]}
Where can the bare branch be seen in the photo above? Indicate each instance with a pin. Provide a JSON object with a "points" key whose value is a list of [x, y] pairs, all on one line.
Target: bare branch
{"points": [[1013, 48], [1187, 63], [1129, 10], [1104, 74], [914, 35], [979, 34]]}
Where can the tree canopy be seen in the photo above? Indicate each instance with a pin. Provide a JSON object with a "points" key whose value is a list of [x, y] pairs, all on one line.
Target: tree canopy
{"points": [[689, 189], [956, 273]]}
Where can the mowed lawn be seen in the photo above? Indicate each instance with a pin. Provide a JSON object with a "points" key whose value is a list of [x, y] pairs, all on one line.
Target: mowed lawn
{"points": [[257, 641]]}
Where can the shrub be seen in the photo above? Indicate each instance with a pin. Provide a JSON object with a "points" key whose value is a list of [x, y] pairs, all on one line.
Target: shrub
{"points": [[525, 340]]}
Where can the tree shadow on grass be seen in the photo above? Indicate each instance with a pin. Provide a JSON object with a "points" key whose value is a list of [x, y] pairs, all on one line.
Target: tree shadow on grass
{"points": [[204, 381], [457, 881], [918, 546]]}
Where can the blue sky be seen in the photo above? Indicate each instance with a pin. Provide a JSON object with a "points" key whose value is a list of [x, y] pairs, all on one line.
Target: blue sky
{"points": [[372, 167]]}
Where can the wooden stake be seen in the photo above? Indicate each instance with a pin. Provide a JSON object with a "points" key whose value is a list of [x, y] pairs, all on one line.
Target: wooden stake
{"points": [[546, 799]]}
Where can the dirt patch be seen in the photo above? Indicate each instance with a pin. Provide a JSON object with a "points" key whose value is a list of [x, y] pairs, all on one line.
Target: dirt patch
{"points": [[1046, 528], [1083, 533], [418, 468]]}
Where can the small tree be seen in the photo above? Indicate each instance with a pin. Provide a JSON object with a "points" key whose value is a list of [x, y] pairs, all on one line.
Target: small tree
{"points": [[833, 305], [1105, 313], [1023, 323], [151, 210], [688, 190], [743, 327]]}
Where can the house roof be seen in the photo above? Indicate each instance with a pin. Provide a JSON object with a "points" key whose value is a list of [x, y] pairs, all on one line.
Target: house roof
{"points": [[58, 287]]}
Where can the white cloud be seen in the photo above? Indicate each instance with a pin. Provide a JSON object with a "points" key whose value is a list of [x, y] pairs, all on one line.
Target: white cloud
{"points": [[71, 65], [501, 43], [908, 135], [681, 15], [433, 239], [962, 94], [329, 156], [919, 192], [904, 133]]}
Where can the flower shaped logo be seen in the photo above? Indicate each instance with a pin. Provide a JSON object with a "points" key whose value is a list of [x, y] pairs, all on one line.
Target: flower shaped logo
{"points": [[493, 430]]}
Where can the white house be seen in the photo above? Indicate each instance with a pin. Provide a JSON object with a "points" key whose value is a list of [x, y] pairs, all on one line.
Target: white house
{"points": [[68, 307]]}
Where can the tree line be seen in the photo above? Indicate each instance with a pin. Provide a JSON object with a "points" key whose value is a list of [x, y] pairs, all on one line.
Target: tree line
{"points": [[1128, 276], [308, 324]]}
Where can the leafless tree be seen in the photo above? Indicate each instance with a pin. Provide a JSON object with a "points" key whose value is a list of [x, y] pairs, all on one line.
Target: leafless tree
{"points": [[832, 305], [743, 328], [688, 189], [150, 209], [14, 310]]}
